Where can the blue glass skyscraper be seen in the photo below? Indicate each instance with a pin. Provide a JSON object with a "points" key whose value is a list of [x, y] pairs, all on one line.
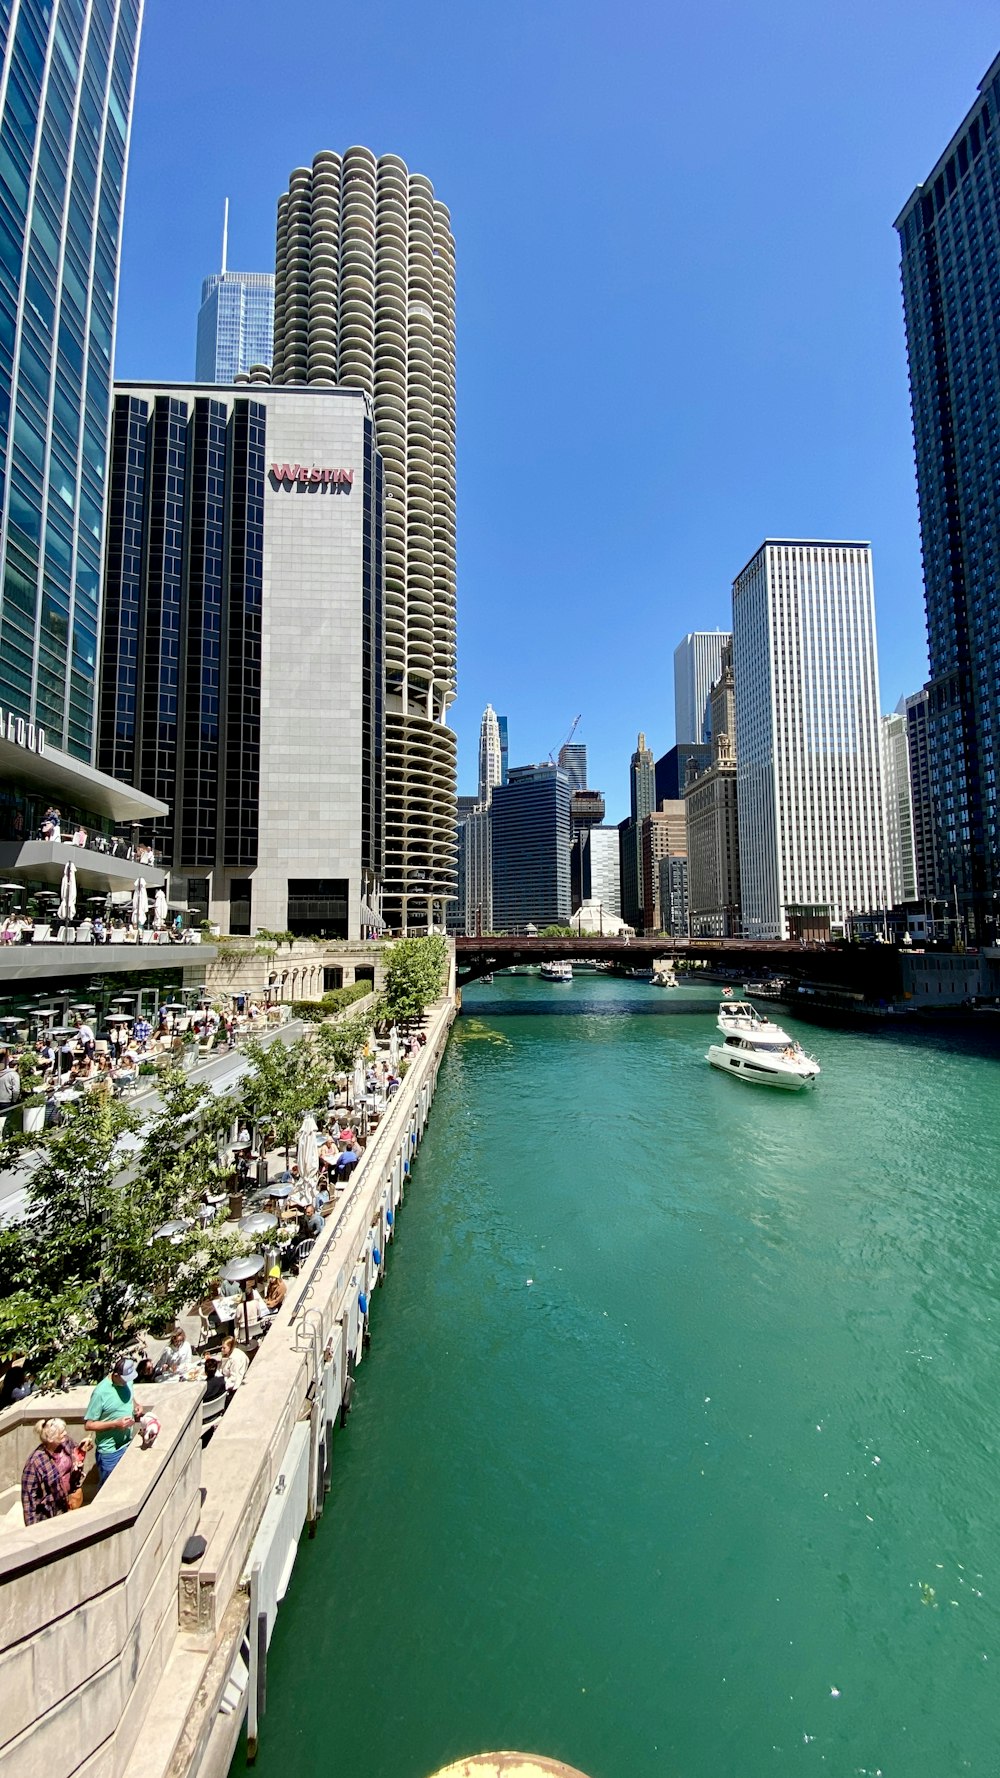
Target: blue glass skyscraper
{"points": [[66, 90], [235, 325], [950, 236]]}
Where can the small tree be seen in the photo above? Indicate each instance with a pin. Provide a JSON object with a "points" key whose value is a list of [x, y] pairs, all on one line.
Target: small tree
{"points": [[414, 975], [281, 1086], [339, 1045]]}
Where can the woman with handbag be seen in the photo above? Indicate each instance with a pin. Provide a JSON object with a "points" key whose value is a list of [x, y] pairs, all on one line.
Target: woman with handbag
{"points": [[52, 1478]]}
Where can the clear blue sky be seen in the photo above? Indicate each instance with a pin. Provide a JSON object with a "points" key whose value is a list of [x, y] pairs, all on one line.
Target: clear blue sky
{"points": [[680, 327]]}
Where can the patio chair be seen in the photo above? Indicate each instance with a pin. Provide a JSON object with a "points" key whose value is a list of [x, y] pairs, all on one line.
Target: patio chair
{"points": [[302, 1252], [214, 1410]]}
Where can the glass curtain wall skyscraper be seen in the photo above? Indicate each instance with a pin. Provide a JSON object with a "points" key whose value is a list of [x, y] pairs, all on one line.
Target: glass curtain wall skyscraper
{"points": [[949, 235], [365, 297], [235, 325], [67, 80]]}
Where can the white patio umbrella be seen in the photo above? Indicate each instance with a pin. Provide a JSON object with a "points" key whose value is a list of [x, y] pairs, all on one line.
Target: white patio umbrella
{"points": [[67, 898], [140, 902], [359, 1081], [159, 910], [393, 1049], [307, 1151]]}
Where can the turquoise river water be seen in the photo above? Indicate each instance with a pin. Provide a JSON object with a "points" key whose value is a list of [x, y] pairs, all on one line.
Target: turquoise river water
{"points": [[676, 1451]]}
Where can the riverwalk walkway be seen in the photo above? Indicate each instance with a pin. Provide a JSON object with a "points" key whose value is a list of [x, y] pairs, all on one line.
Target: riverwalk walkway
{"points": [[144, 1654]]}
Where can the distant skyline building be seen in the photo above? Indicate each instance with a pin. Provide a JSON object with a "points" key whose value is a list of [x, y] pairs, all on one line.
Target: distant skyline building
{"points": [[712, 822], [364, 298], [490, 755], [898, 810], [235, 325], [504, 749], [642, 801], [673, 768], [662, 839], [807, 737], [573, 761], [642, 781], [67, 81], [949, 233], [530, 834], [697, 665], [915, 708], [476, 852], [603, 879]]}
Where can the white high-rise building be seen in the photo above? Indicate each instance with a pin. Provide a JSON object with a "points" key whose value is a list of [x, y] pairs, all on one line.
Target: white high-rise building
{"points": [[809, 777], [697, 665], [490, 756], [605, 879], [899, 837]]}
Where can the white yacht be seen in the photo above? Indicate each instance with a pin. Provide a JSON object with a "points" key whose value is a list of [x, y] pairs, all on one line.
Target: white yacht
{"points": [[740, 1015], [759, 1051], [556, 972]]}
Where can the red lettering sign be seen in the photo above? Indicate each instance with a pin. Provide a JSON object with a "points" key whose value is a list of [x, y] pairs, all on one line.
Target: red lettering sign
{"points": [[294, 473]]}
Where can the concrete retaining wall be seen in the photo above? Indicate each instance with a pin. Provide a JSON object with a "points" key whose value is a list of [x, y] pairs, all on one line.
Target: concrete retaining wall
{"points": [[89, 1600]]}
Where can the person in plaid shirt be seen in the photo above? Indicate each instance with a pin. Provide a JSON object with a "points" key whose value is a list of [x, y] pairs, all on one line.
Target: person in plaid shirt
{"points": [[142, 1031], [49, 1473]]}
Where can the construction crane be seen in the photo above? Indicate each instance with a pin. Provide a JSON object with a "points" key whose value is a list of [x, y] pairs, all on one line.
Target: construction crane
{"points": [[576, 723]]}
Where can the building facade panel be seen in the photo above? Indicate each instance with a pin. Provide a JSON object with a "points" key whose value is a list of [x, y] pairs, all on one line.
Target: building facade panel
{"points": [[235, 325], [949, 235], [531, 834], [66, 90], [807, 742], [246, 580], [365, 298], [697, 665]]}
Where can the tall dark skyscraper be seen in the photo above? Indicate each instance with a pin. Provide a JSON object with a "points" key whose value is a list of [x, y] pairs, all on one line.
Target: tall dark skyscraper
{"points": [[530, 821], [950, 235], [67, 77]]}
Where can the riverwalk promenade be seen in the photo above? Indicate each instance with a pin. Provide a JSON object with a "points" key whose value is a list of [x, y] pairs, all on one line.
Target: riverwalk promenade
{"points": [[134, 1633]]}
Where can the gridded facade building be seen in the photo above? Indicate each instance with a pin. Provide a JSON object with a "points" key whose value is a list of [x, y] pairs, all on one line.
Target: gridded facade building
{"points": [[697, 665], [950, 237], [242, 668], [807, 735], [915, 709], [898, 810], [531, 875], [365, 298], [235, 325], [712, 821], [67, 77]]}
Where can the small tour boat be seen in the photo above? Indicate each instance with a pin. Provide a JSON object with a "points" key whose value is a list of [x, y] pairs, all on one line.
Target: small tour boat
{"points": [[557, 972], [760, 1052]]}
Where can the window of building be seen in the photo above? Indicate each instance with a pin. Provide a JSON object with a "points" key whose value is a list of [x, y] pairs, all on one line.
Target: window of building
{"points": [[318, 905], [239, 907]]}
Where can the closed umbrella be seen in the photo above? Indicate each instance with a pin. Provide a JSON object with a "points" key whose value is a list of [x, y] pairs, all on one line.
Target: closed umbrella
{"points": [[159, 910], [307, 1150], [359, 1081], [393, 1049], [140, 902], [67, 898]]}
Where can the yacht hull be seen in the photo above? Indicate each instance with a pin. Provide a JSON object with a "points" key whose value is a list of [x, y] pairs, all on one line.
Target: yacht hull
{"points": [[758, 1072]]}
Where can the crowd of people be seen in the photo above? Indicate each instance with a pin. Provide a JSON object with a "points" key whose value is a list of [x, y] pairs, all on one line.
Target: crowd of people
{"points": [[236, 1315]]}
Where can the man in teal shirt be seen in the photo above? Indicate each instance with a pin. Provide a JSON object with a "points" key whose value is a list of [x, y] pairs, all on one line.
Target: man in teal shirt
{"points": [[111, 1415]]}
